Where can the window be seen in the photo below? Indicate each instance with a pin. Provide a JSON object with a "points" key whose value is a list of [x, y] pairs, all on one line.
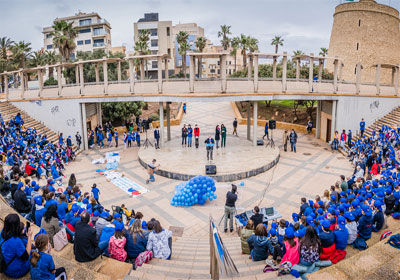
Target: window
{"points": [[48, 35], [230, 62], [154, 64], [169, 52], [49, 47], [218, 62], [153, 32], [230, 71], [98, 43], [355, 71], [98, 31], [154, 43], [219, 71], [358, 45], [86, 30], [359, 22], [85, 22], [212, 71], [168, 31], [80, 43], [88, 42], [154, 52]]}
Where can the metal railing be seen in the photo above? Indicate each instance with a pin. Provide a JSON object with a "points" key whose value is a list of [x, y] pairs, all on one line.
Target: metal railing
{"points": [[221, 262]]}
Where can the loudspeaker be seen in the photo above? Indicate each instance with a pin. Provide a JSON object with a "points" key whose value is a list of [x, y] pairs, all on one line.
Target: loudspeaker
{"points": [[211, 169], [272, 124], [260, 142]]}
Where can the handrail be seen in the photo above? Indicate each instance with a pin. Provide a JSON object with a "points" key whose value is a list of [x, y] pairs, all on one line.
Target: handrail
{"points": [[221, 262]]}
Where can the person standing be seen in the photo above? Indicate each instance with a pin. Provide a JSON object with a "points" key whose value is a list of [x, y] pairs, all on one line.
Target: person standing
{"points": [[285, 139], [190, 135], [349, 136], [310, 126], [223, 135], [78, 139], [184, 108], [116, 137], [217, 135], [230, 208], [109, 138], [125, 140], [138, 138], [293, 140], [196, 135], [362, 127], [151, 170], [157, 138], [235, 124], [209, 147], [343, 140], [184, 135], [266, 130], [129, 138]]}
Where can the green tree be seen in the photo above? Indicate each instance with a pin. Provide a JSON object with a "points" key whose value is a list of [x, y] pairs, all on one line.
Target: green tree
{"points": [[64, 35], [298, 52], [323, 52], [38, 58], [21, 52], [224, 33], [117, 112], [144, 37], [51, 58], [235, 46], [243, 45], [5, 46], [277, 41], [141, 48], [200, 45], [182, 38]]}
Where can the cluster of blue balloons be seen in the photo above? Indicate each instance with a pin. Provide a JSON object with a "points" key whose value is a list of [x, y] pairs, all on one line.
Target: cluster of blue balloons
{"points": [[195, 191]]}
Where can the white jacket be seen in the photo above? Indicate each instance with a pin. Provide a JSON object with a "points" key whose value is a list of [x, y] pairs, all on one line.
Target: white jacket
{"points": [[158, 243]]}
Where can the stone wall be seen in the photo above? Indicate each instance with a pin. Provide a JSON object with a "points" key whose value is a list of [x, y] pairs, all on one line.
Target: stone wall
{"points": [[375, 29]]}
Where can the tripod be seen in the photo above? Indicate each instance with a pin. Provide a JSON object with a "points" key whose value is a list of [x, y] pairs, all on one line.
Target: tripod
{"points": [[147, 141], [271, 142]]}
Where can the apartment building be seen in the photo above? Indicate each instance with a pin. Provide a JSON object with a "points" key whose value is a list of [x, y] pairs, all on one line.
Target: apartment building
{"points": [[94, 33], [194, 31], [160, 42]]}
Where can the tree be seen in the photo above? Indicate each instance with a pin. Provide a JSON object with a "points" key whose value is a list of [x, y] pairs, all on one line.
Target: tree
{"points": [[21, 52], [243, 45], [64, 35], [117, 112], [144, 37], [51, 58], [235, 46], [298, 52], [323, 52], [38, 58], [224, 32], [5, 46], [277, 41], [182, 38], [141, 48], [200, 45]]}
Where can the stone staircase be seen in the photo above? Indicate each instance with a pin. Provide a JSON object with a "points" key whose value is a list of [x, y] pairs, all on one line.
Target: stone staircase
{"points": [[191, 260]]}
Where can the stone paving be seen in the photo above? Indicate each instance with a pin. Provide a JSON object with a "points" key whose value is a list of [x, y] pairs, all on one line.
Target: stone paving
{"points": [[306, 173]]}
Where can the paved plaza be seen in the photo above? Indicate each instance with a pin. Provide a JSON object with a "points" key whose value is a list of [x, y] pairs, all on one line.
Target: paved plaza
{"points": [[308, 172]]}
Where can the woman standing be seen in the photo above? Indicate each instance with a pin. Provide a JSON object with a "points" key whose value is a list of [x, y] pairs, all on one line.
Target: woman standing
{"points": [[223, 134], [217, 135], [285, 139]]}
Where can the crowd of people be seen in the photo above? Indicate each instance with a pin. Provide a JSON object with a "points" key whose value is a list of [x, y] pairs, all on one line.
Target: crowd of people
{"points": [[346, 215], [29, 159]]}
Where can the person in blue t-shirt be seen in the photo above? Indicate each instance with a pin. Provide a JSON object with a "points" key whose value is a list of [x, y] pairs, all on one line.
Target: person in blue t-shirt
{"points": [[39, 210], [42, 264], [116, 138], [95, 193], [138, 138], [190, 135], [62, 207], [341, 234], [266, 130], [109, 138], [13, 247], [362, 127]]}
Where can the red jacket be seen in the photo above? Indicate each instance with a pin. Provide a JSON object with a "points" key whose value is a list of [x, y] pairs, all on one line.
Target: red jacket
{"points": [[196, 132]]}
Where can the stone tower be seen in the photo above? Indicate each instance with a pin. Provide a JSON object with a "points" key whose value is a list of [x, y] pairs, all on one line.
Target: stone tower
{"points": [[365, 32]]}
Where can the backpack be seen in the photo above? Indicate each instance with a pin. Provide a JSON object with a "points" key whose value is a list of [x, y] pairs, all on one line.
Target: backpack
{"points": [[396, 216], [394, 241], [3, 264], [360, 244], [284, 268], [143, 257], [385, 234]]}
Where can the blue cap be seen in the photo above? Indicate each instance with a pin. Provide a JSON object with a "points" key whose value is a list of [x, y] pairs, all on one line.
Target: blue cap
{"points": [[326, 223], [104, 214], [320, 211], [52, 182], [378, 204], [38, 200], [333, 197], [310, 220], [349, 215], [274, 225], [119, 226], [85, 200], [320, 203], [74, 208], [144, 225], [117, 216], [20, 185], [81, 210], [272, 232], [96, 213], [342, 193], [341, 221], [33, 183], [365, 207], [289, 232], [295, 217]]}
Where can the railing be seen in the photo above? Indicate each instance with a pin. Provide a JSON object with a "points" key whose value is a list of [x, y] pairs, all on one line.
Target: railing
{"points": [[95, 45], [221, 262]]}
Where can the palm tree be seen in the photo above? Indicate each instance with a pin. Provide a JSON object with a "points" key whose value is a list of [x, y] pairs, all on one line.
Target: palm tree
{"points": [[38, 59], [277, 41], [225, 31], [323, 52], [182, 38], [144, 36], [21, 51], [235, 42], [243, 45], [141, 48], [64, 35], [298, 52], [5, 46], [51, 58], [200, 45]]}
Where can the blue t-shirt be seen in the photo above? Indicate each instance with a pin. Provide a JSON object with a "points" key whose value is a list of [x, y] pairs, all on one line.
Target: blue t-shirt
{"points": [[15, 247], [327, 239], [95, 192], [50, 202], [62, 210], [190, 132], [39, 215], [341, 239], [44, 268], [362, 125], [116, 135]]}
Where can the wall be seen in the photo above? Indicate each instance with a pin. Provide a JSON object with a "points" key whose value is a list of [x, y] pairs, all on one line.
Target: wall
{"points": [[58, 115]]}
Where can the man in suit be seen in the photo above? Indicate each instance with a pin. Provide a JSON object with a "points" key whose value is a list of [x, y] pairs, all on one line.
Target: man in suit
{"points": [[86, 247], [209, 147], [157, 138]]}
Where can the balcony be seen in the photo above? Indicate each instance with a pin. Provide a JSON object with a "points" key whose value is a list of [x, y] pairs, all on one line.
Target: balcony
{"points": [[94, 22], [99, 33], [99, 45]]}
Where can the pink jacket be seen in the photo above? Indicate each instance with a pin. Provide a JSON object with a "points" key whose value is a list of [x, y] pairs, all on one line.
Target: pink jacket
{"points": [[116, 248], [292, 254]]}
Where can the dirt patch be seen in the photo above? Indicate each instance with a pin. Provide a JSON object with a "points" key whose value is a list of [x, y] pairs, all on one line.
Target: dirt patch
{"points": [[153, 108]]}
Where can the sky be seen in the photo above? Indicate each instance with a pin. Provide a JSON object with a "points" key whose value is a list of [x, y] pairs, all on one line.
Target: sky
{"points": [[304, 24]]}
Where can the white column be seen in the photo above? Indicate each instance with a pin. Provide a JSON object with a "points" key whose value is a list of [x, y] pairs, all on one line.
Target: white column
{"points": [[76, 75], [105, 75], [81, 78], [311, 73], [249, 68], [96, 68], [191, 73], [255, 118], [297, 69], [320, 66], [119, 71], [40, 79], [334, 105], [161, 124], [99, 114], [168, 122], [358, 77], [59, 79], [318, 120], [159, 74], [274, 68], [335, 74], [396, 80], [378, 79], [142, 62], [248, 121], [6, 86], [166, 69], [223, 72], [255, 59], [84, 127], [284, 72], [131, 75]]}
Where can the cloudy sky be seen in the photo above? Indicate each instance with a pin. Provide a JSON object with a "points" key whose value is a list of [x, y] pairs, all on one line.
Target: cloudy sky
{"points": [[304, 24]]}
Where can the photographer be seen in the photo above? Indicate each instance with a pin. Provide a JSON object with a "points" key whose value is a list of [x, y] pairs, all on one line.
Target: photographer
{"points": [[230, 208]]}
